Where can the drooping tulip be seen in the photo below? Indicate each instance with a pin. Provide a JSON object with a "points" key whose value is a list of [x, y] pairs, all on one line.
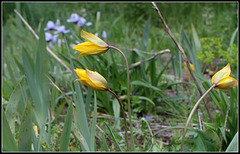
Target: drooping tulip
{"points": [[222, 80], [93, 46], [92, 79]]}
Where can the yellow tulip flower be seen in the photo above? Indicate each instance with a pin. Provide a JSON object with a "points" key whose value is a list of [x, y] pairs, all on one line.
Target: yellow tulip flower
{"points": [[222, 80], [93, 46], [92, 79]]}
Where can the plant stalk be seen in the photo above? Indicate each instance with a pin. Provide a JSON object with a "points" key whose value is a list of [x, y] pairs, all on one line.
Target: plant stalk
{"points": [[183, 55], [191, 114], [128, 95], [125, 121]]}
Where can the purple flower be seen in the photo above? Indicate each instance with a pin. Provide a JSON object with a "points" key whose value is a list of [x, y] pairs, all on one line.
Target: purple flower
{"points": [[62, 30], [98, 15], [81, 22], [149, 117], [104, 35], [49, 37], [88, 24], [50, 26], [74, 18], [135, 92]]}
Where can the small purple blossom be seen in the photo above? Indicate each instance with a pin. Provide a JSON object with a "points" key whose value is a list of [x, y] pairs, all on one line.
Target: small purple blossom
{"points": [[149, 117], [81, 22], [135, 92], [74, 18], [88, 24], [50, 26], [98, 15], [49, 37], [62, 30]]}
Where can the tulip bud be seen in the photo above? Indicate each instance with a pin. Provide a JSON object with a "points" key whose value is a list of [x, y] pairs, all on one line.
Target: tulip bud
{"points": [[92, 79], [93, 46], [222, 80]]}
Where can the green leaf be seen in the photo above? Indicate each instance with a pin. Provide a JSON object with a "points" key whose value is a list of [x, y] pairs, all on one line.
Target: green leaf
{"points": [[233, 146], [8, 141], [116, 111], [40, 74], [41, 57], [81, 121], [93, 125], [144, 84], [25, 133], [191, 52], [214, 136], [88, 101], [146, 99], [81, 138], [65, 137], [28, 70], [233, 36], [196, 39], [202, 142], [14, 103], [105, 143], [6, 89]]}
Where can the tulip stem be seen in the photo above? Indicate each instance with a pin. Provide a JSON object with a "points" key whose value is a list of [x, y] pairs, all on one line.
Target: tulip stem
{"points": [[191, 114], [125, 121], [128, 95]]}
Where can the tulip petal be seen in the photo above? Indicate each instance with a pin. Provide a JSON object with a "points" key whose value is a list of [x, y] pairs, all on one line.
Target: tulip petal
{"points": [[97, 79], [92, 79], [94, 39], [84, 78], [223, 73], [226, 83], [89, 48]]}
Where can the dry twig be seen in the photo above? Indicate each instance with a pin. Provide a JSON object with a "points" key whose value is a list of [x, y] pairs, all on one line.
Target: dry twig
{"points": [[146, 60], [183, 55]]}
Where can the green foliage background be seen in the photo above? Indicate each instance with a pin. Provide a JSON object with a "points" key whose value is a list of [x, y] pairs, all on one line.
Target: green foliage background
{"points": [[38, 88]]}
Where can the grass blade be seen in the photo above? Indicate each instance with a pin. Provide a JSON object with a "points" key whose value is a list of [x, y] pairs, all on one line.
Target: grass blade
{"points": [[88, 101], [25, 133], [113, 137], [233, 36], [81, 138], [93, 125], [105, 143], [65, 138]]}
